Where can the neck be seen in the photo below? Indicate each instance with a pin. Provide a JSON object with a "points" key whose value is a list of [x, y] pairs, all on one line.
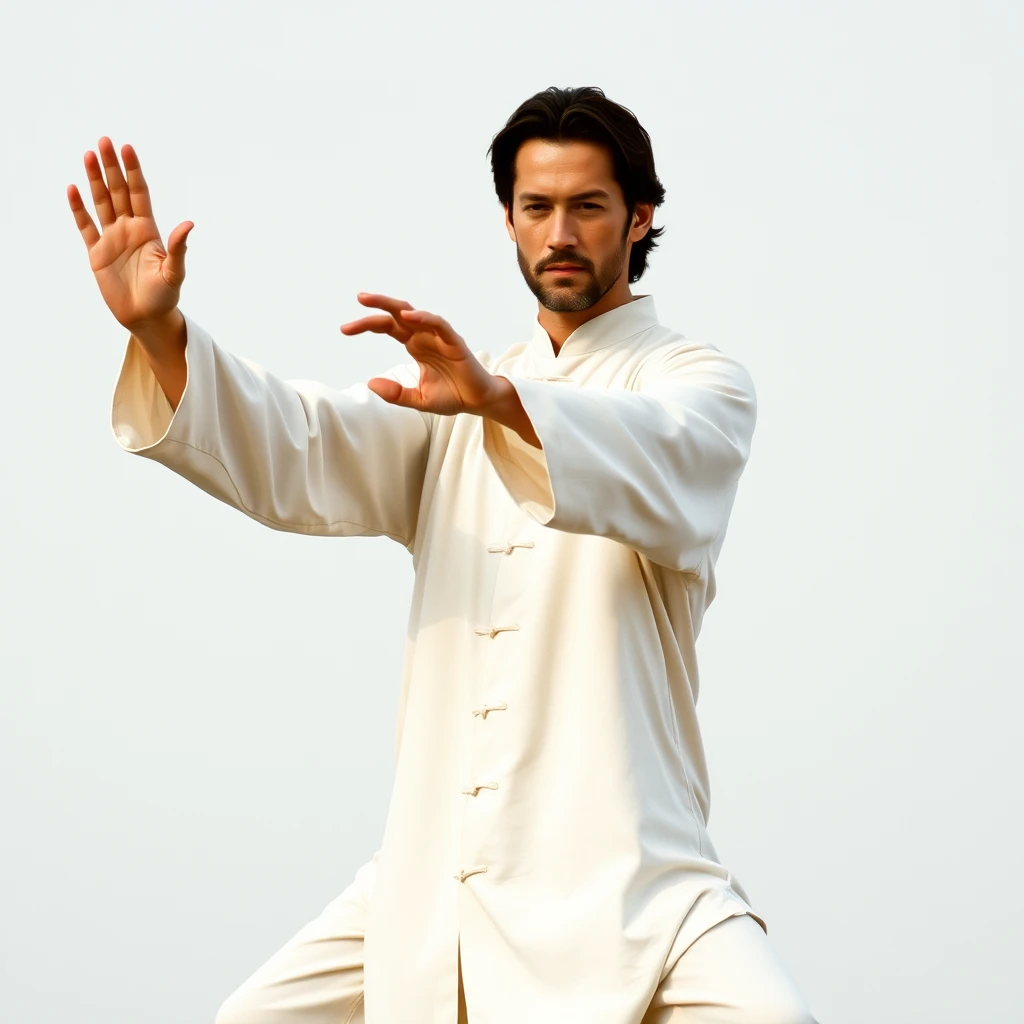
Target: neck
{"points": [[560, 325]]}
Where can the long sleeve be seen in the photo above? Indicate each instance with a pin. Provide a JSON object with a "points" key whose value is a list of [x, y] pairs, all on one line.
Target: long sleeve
{"points": [[295, 455], [656, 468]]}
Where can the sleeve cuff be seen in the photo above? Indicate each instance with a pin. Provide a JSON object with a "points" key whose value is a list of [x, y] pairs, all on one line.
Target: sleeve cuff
{"points": [[141, 416], [522, 468]]}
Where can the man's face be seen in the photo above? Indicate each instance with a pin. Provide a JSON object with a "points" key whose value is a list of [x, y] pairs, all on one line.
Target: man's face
{"points": [[567, 208]]}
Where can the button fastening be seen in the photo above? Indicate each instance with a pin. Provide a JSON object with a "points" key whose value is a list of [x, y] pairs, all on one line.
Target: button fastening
{"points": [[495, 630], [507, 548], [473, 790], [482, 712], [463, 875]]}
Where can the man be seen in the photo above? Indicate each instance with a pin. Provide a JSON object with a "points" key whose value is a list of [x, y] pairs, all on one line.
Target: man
{"points": [[546, 857]]}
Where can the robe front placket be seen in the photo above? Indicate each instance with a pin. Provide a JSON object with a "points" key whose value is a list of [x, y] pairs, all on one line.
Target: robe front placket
{"points": [[491, 754], [496, 635]]}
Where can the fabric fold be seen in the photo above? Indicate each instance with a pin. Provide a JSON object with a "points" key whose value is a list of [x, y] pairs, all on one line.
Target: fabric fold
{"points": [[296, 455]]}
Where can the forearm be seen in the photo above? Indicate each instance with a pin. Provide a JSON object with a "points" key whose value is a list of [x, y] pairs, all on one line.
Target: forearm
{"points": [[163, 345], [655, 469]]}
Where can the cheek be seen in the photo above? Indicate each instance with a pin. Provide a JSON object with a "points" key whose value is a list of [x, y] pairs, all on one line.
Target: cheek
{"points": [[528, 233], [605, 239], [530, 242]]}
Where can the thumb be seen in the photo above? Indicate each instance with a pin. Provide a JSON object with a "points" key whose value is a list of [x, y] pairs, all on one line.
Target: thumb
{"points": [[393, 392], [174, 264]]}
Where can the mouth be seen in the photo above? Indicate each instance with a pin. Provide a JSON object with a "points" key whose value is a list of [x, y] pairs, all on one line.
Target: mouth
{"points": [[563, 268]]}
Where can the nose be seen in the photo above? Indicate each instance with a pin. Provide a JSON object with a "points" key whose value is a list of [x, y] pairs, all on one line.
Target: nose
{"points": [[561, 231]]}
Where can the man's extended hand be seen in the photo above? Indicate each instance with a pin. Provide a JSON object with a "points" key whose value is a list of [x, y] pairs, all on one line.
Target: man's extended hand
{"points": [[452, 379]]}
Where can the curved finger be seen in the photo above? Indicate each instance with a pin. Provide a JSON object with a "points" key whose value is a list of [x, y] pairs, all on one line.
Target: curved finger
{"points": [[98, 188], [436, 323], [388, 302], [380, 324], [392, 305], [138, 190], [90, 233], [116, 184], [393, 392]]}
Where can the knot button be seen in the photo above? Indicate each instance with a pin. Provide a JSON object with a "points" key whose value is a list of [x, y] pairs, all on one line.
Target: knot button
{"points": [[482, 712], [510, 546], [473, 790], [463, 875], [493, 631]]}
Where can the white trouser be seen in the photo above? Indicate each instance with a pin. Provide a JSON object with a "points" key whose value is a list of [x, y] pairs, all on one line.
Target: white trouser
{"points": [[729, 975]]}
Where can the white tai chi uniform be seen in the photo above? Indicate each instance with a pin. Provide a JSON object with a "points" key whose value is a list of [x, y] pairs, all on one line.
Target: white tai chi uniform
{"points": [[546, 840]]}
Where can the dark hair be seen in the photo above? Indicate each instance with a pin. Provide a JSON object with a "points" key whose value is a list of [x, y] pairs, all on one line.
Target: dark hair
{"points": [[585, 113]]}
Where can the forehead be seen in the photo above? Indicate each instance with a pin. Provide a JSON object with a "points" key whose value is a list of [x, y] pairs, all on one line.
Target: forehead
{"points": [[564, 168]]}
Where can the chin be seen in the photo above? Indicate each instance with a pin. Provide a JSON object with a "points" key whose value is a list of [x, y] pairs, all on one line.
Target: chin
{"points": [[567, 301]]}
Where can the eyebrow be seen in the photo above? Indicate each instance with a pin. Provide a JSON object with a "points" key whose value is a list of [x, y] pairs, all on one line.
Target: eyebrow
{"points": [[594, 193]]}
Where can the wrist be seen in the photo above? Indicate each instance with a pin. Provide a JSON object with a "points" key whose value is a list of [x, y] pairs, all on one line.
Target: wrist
{"points": [[162, 336], [506, 408], [497, 399]]}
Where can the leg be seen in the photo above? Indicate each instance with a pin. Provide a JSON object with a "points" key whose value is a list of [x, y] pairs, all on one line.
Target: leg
{"points": [[317, 976], [729, 975]]}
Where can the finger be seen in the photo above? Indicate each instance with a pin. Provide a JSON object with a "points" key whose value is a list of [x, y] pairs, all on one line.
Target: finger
{"points": [[420, 317], [392, 305], [393, 392], [138, 190], [98, 188], [174, 265], [387, 302], [116, 184], [90, 233], [377, 324]]}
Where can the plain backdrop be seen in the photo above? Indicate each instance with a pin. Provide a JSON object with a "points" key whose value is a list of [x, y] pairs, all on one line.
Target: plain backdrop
{"points": [[197, 713]]}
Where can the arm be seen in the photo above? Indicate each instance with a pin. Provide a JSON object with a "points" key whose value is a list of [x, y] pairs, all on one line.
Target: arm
{"points": [[294, 455], [656, 469]]}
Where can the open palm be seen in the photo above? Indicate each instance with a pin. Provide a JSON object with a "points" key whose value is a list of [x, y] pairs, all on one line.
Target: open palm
{"points": [[139, 279]]}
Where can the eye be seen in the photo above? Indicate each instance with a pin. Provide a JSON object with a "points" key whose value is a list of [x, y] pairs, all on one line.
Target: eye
{"points": [[533, 206], [591, 206]]}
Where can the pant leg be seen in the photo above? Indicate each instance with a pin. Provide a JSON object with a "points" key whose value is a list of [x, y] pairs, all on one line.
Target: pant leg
{"points": [[729, 975], [317, 976]]}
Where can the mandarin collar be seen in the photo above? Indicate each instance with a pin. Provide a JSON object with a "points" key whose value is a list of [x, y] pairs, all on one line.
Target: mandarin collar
{"points": [[618, 324]]}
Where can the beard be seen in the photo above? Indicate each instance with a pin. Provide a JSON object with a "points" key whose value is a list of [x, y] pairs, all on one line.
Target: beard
{"points": [[585, 289]]}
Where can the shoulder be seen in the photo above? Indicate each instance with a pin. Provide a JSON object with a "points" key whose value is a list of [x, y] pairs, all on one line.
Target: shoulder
{"points": [[672, 356]]}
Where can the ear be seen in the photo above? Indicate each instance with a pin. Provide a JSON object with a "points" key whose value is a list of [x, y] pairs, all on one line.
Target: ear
{"points": [[643, 216], [509, 227]]}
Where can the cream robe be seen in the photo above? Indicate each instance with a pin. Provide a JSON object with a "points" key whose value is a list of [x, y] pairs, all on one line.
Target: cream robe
{"points": [[551, 795]]}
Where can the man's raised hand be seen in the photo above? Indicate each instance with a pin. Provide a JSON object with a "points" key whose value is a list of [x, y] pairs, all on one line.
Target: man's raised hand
{"points": [[452, 379], [139, 279]]}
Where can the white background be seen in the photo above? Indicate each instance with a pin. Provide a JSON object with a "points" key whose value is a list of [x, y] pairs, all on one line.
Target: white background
{"points": [[839, 217]]}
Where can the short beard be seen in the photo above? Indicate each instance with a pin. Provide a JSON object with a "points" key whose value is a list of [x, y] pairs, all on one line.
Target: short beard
{"points": [[575, 299]]}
